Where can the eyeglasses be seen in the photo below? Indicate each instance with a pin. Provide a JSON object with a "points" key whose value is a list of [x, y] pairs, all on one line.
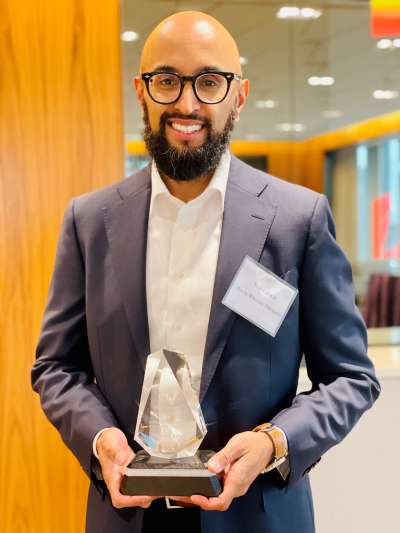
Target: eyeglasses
{"points": [[209, 87]]}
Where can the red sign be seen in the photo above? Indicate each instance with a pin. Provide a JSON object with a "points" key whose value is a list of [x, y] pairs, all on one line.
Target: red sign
{"points": [[385, 18]]}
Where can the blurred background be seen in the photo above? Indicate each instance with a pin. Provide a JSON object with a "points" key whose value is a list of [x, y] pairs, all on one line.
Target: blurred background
{"points": [[323, 112]]}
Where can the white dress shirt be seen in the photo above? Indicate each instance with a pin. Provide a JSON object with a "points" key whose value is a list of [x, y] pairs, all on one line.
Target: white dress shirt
{"points": [[182, 251]]}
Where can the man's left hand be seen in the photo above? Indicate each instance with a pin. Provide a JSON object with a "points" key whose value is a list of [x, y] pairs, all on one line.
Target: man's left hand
{"points": [[240, 462]]}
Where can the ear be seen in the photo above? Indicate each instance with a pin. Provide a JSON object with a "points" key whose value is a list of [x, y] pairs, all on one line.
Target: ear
{"points": [[138, 85], [242, 97]]}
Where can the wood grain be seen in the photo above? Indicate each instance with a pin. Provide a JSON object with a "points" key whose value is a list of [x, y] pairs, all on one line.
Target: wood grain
{"points": [[60, 135]]}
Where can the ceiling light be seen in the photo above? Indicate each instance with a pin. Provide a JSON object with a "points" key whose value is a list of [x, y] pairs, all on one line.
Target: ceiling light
{"points": [[286, 126], [310, 13], [243, 60], [388, 44], [384, 44], [287, 12], [293, 12], [332, 113], [327, 80], [266, 104], [129, 36], [321, 80], [385, 95]]}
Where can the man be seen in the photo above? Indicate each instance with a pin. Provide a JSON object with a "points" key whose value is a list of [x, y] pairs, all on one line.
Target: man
{"points": [[145, 263]]}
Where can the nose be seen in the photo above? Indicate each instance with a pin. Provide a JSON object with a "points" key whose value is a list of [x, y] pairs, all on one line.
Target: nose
{"points": [[188, 102]]}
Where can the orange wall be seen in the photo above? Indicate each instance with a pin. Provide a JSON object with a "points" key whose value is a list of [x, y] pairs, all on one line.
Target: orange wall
{"points": [[60, 135]]}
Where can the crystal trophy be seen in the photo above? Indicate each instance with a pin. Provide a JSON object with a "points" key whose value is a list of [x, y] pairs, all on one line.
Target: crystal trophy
{"points": [[170, 428]]}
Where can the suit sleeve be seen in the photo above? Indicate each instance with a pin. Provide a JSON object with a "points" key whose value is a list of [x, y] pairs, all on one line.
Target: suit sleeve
{"points": [[62, 374], [334, 341]]}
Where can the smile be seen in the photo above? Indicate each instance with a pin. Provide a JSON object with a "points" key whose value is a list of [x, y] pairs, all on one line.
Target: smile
{"points": [[185, 128]]}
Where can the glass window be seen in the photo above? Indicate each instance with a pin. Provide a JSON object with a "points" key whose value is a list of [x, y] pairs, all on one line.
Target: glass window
{"points": [[364, 185]]}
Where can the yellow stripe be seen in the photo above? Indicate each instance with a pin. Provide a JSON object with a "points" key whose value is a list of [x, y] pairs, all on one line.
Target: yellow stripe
{"points": [[385, 4]]}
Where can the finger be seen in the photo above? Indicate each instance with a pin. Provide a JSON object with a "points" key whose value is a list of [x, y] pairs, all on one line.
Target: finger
{"points": [[119, 454], [120, 500], [129, 501], [235, 484], [227, 468], [239, 477], [113, 482], [217, 503], [182, 499], [232, 451], [124, 457]]}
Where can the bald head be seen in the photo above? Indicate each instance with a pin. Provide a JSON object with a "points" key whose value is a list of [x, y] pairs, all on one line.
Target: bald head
{"points": [[190, 37], [186, 132]]}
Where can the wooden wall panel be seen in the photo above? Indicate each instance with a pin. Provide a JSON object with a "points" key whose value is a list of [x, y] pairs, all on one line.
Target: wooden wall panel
{"points": [[60, 135]]}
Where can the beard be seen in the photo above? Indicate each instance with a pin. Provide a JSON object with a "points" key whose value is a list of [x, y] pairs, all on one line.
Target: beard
{"points": [[186, 163]]}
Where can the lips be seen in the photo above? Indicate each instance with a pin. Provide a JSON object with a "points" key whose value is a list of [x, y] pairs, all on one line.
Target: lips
{"points": [[185, 127]]}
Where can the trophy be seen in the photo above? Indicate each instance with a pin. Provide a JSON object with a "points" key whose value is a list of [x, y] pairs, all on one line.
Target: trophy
{"points": [[170, 428]]}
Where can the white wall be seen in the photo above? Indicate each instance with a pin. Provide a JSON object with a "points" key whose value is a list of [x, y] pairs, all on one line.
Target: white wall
{"points": [[356, 484]]}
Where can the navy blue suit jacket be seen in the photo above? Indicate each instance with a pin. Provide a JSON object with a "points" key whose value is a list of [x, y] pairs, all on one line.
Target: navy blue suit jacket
{"points": [[94, 340]]}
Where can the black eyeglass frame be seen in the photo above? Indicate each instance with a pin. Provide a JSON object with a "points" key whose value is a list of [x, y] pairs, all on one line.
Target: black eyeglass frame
{"points": [[229, 76]]}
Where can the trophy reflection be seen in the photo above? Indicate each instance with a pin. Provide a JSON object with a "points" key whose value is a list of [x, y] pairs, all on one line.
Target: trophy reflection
{"points": [[170, 428]]}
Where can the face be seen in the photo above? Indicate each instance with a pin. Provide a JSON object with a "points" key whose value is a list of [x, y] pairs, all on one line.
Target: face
{"points": [[187, 162], [187, 138]]}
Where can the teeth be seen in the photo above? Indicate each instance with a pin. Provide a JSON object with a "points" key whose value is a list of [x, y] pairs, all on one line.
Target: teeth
{"points": [[186, 129]]}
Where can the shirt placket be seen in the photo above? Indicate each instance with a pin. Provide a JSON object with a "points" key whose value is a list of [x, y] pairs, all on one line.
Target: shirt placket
{"points": [[175, 295]]}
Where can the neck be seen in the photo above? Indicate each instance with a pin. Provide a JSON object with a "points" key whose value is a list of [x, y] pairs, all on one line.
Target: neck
{"points": [[187, 190]]}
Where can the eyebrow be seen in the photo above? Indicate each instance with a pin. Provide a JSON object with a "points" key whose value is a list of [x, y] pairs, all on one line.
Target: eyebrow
{"points": [[170, 68]]}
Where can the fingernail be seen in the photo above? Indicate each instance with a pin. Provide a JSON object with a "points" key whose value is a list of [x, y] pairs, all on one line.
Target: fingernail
{"points": [[215, 465]]}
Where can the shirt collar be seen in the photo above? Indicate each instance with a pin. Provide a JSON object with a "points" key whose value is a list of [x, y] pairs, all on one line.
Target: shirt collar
{"points": [[218, 183]]}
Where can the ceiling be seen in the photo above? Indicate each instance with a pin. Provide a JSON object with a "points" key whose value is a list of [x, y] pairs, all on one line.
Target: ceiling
{"points": [[282, 55]]}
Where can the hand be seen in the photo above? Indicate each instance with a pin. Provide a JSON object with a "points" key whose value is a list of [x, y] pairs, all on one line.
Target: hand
{"points": [[114, 455], [240, 462]]}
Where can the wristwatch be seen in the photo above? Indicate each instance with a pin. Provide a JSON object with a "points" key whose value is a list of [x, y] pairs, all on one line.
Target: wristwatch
{"points": [[279, 442]]}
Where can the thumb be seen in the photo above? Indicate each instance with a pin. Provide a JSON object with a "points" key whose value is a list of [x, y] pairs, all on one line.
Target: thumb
{"points": [[124, 456], [222, 460], [114, 444]]}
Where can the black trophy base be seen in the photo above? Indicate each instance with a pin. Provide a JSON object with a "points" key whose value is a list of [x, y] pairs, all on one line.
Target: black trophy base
{"points": [[154, 476]]}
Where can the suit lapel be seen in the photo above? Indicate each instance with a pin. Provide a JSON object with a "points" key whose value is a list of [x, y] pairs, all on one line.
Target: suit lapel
{"points": [[126, 221], [248, 216]]}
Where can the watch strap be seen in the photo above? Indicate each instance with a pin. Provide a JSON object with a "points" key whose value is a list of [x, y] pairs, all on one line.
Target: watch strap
{"points": [[279, 442]]}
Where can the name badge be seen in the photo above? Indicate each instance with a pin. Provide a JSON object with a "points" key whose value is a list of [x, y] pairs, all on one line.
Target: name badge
{"points": [[260, 296]]}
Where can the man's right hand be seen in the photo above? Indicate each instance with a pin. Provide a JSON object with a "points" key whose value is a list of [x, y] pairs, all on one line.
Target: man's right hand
{"points": [[114, 455]]}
